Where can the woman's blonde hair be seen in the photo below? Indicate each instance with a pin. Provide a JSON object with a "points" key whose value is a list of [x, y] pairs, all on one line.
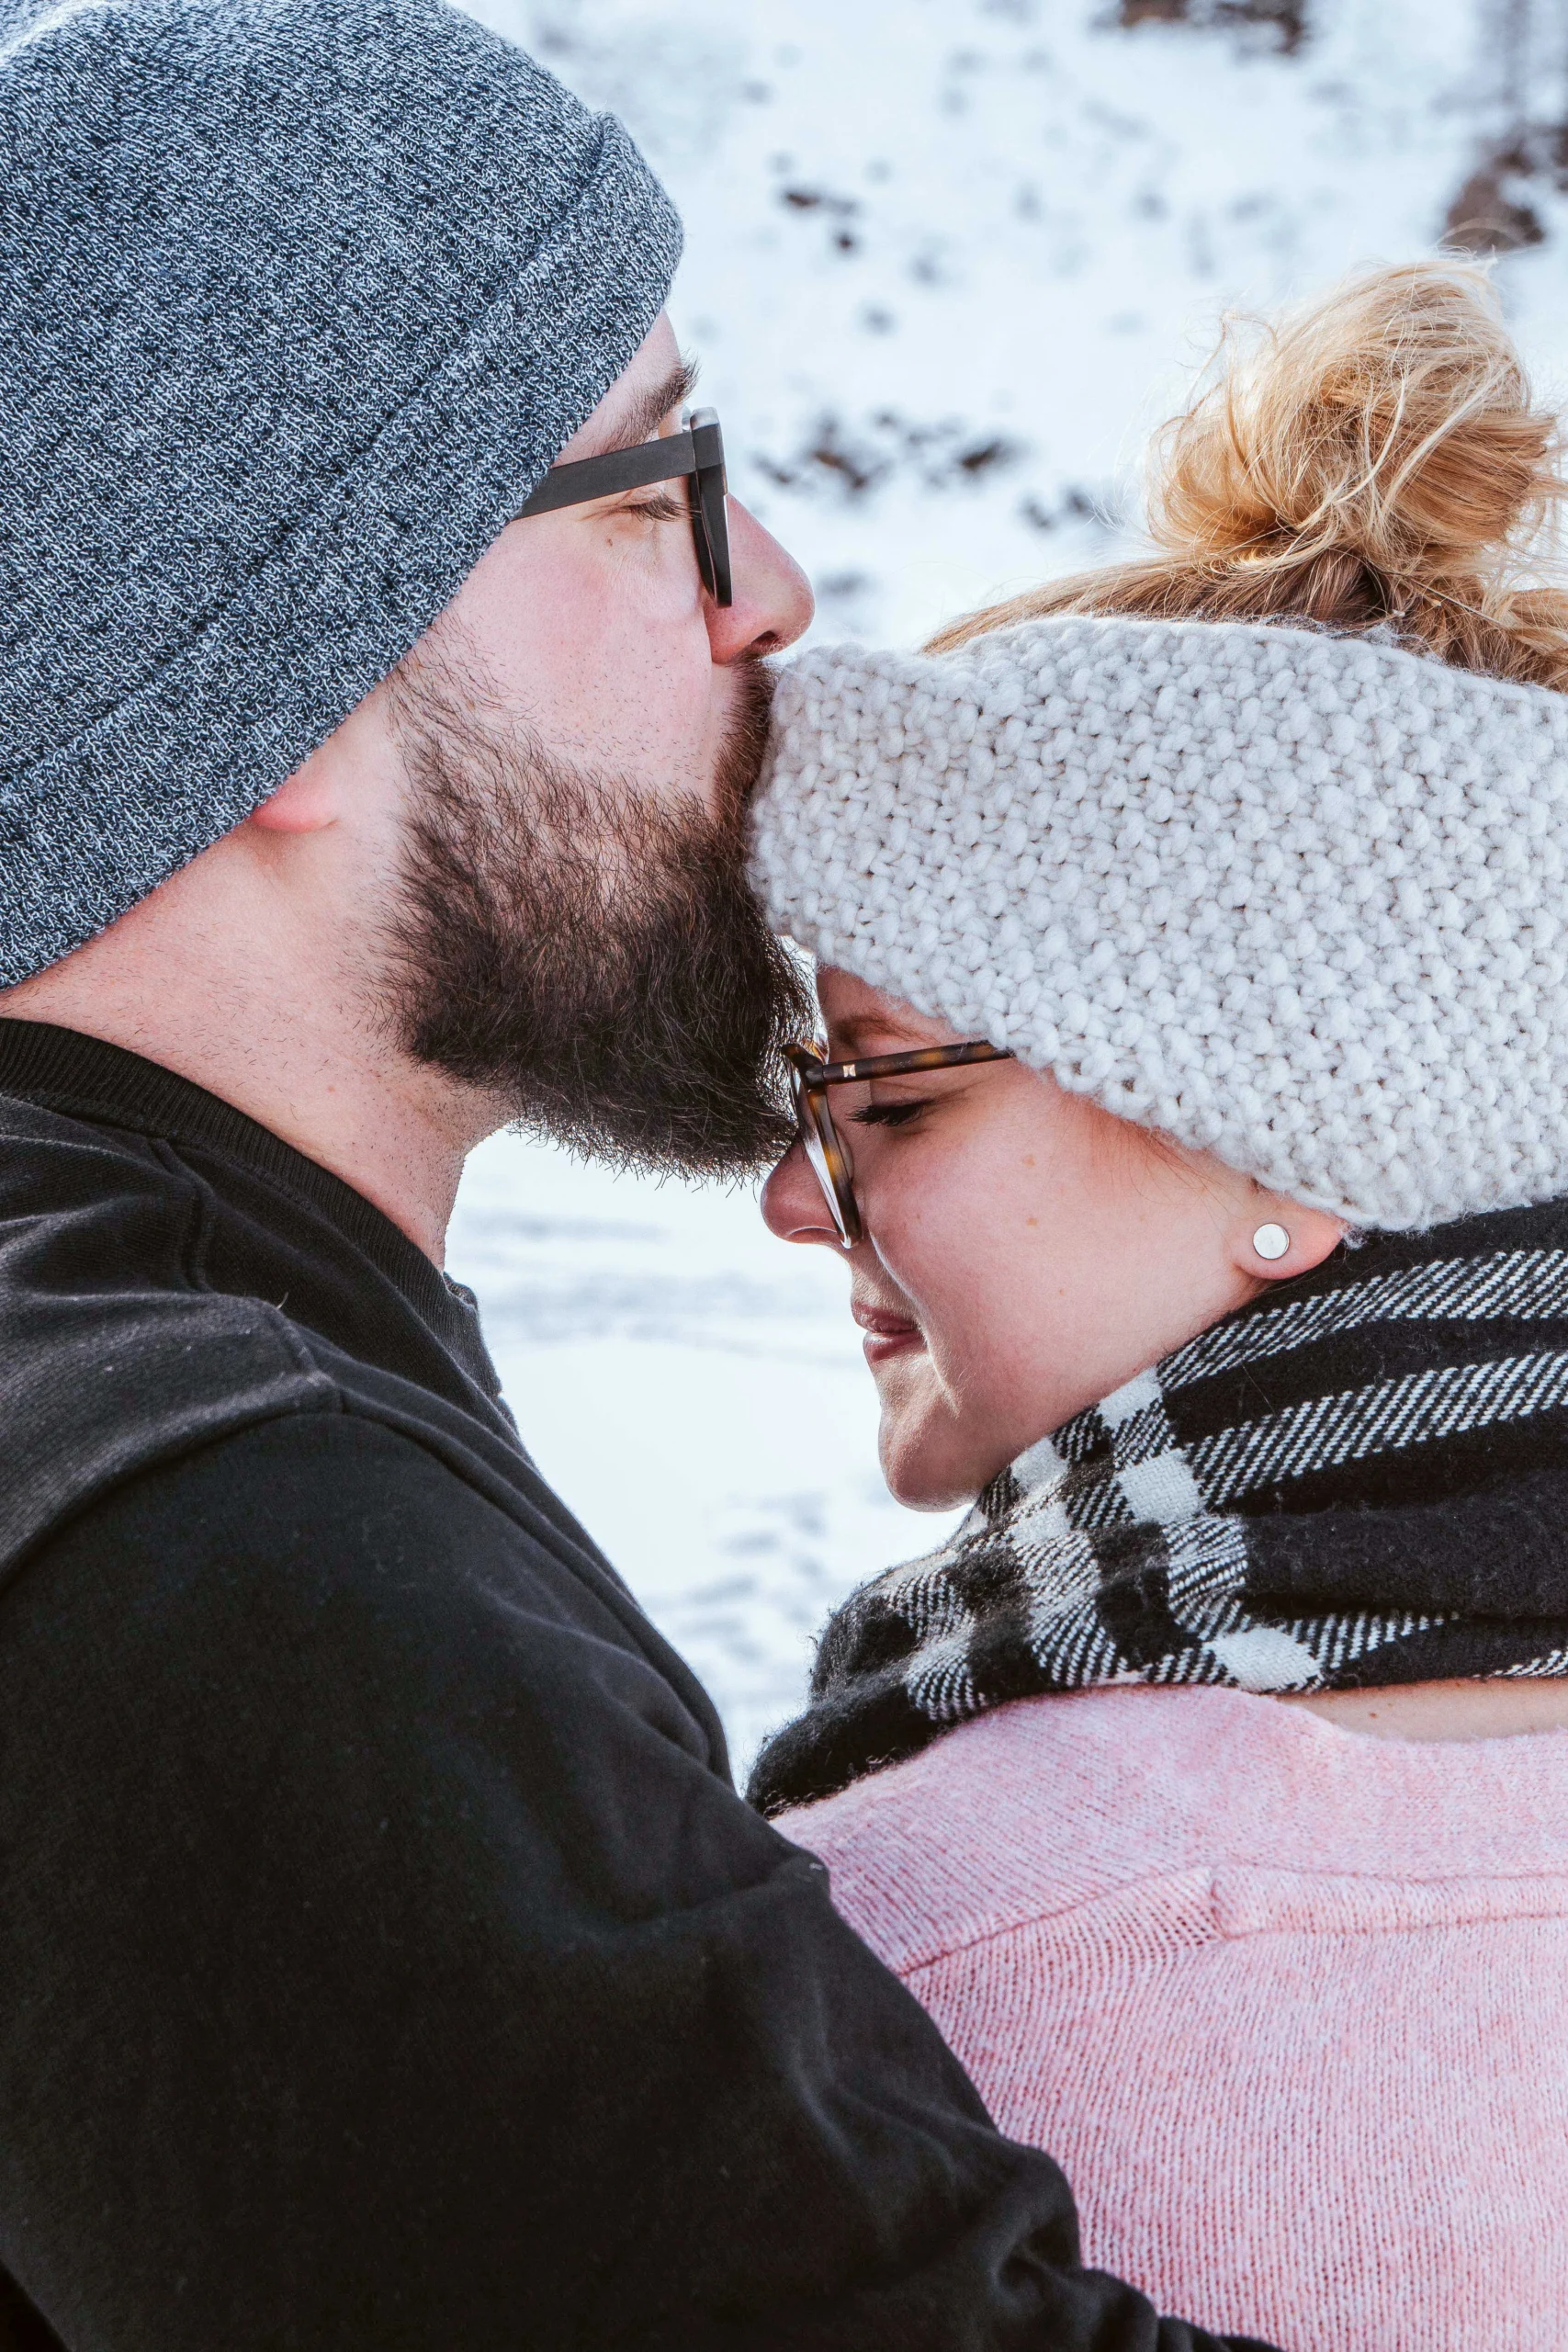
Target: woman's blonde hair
{"points": [[1375, 457]]}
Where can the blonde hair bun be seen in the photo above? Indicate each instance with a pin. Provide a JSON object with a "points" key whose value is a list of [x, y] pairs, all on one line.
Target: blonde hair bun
{"points": [[1374, 457]]}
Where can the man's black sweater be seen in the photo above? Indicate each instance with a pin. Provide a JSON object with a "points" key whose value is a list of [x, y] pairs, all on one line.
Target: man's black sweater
{"points": [[387, 1960]]}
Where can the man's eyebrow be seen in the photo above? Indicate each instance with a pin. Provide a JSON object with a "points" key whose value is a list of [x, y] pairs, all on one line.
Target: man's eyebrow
{"points": [[649, 409]]}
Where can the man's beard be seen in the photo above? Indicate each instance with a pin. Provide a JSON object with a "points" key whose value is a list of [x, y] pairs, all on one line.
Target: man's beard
{"points": [[587, 953]]}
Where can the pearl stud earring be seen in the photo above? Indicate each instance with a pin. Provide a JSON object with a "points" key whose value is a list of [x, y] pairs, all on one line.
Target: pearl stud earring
{"points": [[1270, 1240]]}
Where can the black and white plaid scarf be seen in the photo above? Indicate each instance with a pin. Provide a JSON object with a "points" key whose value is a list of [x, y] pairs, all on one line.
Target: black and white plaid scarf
{"points": [[1360, 1478]]}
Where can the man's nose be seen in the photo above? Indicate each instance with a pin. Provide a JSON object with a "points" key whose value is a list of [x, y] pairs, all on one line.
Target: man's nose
{"points": [[793, 1206], [774, 603]]}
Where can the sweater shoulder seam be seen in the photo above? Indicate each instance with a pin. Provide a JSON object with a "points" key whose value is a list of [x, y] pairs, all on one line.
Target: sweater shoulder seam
{"points": [[1206, 1881]]}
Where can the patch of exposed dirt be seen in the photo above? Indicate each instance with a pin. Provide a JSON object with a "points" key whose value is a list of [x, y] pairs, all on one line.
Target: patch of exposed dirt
{"points": [[1490, 214], [1283, 21], [849, 460]]}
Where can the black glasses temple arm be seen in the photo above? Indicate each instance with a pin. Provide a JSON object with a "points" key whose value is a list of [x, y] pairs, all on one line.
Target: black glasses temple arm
{"points": [[588, 477]]}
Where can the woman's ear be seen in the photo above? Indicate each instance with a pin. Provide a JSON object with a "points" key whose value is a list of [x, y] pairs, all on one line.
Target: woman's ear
{"points": [[1282, 1240]]}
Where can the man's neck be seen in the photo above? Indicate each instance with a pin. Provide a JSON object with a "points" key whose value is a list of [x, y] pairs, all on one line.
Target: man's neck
{"points": [[282, 1043]]}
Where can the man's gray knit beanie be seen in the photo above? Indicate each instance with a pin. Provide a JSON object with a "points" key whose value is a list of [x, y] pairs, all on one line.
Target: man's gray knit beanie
{"points": [[1296, 898], [299, 299]]}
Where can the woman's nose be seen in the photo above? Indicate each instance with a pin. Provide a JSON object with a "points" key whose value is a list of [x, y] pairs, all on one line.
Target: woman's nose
{"points": [[793, 1206]]}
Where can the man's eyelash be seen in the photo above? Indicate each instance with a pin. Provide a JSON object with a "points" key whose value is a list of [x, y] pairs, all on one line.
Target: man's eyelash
{"points": [[661, 508], [885, 1114]]}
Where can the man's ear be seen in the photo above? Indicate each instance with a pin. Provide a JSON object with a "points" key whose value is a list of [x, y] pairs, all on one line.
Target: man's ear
{"points": [[307, 803], [1282, 1239]]}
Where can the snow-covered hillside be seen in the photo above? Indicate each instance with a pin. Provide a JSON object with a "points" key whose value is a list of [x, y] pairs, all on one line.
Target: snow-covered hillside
{"points": [[947, 258], [947, 261]]}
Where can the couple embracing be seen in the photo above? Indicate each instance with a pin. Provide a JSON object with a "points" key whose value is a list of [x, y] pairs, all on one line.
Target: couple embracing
{"points": [[388, 1960]]}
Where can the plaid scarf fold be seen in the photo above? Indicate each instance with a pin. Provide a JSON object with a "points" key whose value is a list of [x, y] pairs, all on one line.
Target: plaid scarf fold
{"points": [[1359, 1478]]}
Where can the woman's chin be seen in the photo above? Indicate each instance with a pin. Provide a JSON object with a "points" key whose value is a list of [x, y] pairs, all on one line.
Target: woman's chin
{"points": [[924, 1467]]}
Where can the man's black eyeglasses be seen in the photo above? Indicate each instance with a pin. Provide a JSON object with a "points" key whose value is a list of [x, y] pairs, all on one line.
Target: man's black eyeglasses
{"points": [[824, 1149], [697, 453]]}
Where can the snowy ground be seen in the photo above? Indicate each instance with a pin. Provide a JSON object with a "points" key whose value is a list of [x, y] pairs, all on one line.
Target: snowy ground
{"points": [[947, 261], [697, 1393]]}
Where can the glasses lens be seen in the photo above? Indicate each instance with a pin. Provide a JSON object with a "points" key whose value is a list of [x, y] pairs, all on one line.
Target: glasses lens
{"points": [[829, 1160], [824, 1153], [710, 508]]}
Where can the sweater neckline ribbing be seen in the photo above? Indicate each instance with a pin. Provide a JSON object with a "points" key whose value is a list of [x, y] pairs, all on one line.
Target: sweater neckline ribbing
{"points": [[64, 1071]]}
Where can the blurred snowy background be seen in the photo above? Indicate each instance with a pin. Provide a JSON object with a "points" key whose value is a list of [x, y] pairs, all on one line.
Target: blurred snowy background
{"points": [[947, 262]]}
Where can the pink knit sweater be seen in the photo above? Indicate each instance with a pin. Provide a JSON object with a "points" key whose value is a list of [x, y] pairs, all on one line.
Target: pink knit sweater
{"points": [[1288, 2003]]}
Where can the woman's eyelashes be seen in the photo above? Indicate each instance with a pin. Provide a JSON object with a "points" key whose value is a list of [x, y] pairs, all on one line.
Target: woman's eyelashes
{"points": [[889, 1114]]}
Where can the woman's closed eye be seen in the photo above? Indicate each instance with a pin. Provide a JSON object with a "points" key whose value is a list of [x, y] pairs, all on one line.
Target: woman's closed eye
{"points": [[890, 1114]]}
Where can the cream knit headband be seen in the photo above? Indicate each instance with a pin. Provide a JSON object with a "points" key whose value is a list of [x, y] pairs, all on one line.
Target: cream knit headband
{"points": [[1296, 898]]}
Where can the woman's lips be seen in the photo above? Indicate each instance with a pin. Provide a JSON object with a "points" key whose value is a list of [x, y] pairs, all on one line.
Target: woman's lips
{"points": [[886, 1335]]}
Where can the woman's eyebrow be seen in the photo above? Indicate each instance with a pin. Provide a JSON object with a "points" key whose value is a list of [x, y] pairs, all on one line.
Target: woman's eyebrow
{"points": [[867, 1038]]}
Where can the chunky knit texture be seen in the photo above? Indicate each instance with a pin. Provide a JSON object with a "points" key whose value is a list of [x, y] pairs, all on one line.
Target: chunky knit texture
{"points": [[1289, 2005], [1297, 899], [299, 299]]}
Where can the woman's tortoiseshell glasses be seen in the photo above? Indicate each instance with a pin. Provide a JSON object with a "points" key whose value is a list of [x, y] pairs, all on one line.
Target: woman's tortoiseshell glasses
{"points": [[809, 1079]]}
